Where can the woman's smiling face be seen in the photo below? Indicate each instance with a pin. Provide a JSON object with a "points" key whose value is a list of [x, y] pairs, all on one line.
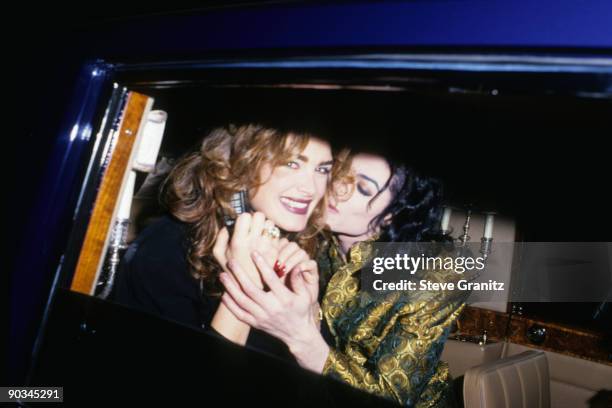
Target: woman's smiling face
{"points": [[349, 215], [290, 192]]}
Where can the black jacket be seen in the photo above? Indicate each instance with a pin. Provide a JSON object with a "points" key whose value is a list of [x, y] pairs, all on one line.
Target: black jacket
{"points": [[154, 277]]}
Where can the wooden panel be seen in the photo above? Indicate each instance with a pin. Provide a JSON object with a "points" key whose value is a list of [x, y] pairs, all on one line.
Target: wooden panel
{"points": [[473, 321], [576, 342], [559, 338], [95, 243]]}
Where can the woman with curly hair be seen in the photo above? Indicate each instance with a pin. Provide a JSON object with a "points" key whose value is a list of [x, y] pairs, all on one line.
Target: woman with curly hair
{"points": [[389, 344], [170, 269]]}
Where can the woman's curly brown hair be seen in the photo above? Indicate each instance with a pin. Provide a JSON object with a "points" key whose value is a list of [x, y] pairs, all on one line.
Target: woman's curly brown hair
{"points": [[199, 188]]}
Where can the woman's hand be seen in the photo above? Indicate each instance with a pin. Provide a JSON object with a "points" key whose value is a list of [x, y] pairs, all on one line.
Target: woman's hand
{"points": [[283, 312], [248, 236], [291, 255]]}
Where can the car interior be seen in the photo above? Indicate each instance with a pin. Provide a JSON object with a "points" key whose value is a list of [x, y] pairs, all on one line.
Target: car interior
{"points": [[473, 132]]}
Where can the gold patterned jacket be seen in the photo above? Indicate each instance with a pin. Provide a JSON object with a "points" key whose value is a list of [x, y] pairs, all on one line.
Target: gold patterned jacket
{"points": [[389, 346]]}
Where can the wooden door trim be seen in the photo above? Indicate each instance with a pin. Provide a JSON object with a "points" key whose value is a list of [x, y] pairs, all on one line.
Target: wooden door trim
{"points": [[95, 243]]}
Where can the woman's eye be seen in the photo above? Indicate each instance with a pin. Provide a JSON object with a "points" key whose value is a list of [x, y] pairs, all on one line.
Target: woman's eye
{"points": [[293, 164], [363, 190], [324, 170]]}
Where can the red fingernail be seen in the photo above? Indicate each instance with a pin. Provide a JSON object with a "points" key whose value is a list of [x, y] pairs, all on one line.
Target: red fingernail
{"points": [[279, 269]]}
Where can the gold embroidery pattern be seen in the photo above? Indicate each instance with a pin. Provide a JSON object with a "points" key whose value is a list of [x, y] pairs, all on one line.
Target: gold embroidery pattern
{"points": [[389, 346]]}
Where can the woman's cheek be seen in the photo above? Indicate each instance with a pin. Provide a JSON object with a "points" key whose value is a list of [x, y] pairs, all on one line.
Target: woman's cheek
{"points": [[321, 187]]}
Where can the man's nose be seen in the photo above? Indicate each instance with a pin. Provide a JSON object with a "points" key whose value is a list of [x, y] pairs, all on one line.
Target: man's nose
{"points": [[332, 199]]}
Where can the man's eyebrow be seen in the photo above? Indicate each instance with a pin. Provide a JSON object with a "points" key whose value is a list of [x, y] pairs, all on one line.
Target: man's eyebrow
{"points": [[369, 179]]}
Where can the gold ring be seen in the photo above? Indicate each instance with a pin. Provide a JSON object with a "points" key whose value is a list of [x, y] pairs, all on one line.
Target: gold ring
{"points": [[272, 232]]}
